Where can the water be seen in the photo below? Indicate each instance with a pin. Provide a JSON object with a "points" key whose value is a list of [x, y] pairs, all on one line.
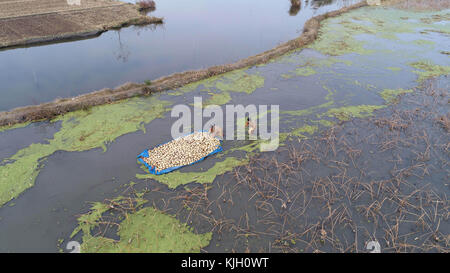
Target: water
{"points": [[43, 215], [196, 34]]}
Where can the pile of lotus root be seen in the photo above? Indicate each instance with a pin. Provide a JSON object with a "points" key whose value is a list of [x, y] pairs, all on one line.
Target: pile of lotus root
{"points": [[182, 151]]}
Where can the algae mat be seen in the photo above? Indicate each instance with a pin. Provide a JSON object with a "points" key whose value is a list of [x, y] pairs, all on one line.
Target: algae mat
{"points": [[146, 230], [80, 131]]}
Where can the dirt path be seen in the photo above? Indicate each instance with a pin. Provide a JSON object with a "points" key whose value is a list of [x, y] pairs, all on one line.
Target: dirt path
{"points": [[25, 22]]}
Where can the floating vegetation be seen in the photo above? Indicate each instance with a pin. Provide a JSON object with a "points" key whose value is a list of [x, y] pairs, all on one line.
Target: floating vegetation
{"points": [[177, 178], [391, 95], [335, 39], [324, 122], [309, 129], [80, 131], [354, 111], [94, 128], [15, 126], [305, 71], [428, 69], [348, 33], [424, 42], [141, 230], [218, 99], [239, 81], [308, 111], [234, 81], [393, 68]]}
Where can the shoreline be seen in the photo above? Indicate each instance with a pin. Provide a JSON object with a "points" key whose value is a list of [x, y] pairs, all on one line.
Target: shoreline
{"points": [[58, 107]]}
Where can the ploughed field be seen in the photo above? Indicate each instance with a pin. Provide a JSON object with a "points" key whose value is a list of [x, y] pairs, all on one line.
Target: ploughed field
{"points": [[17, 8], [33, 21]]}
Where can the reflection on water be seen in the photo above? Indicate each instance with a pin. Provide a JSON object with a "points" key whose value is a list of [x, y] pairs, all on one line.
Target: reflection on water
{"points": [[296, 5], [196, 34], [123, 52]]}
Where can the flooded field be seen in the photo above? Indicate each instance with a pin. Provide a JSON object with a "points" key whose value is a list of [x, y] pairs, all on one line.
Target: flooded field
{"points": [[194, 35], [364, 155]]}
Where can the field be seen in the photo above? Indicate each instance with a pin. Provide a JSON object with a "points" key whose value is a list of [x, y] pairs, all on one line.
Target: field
{"points": [[30, 22]]}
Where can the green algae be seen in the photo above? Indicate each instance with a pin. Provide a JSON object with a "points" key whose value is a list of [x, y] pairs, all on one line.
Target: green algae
{"points": [[15, 126], [175, 93], [391, 95], [315, 108], [307, 61], [394, 68], [305, 71], [435, 18], [328, 62], [80, 131], [324, 122], [428, 70], [218, 99], [234, 81], [20, 175], [309, 129], [240, 81], [335, 42], [206, 83], [83, 130], [148, 230], [424, 42], [307, 111], [355, 111], [287, 76], [177, 178], [344, 34], [90, 220]]}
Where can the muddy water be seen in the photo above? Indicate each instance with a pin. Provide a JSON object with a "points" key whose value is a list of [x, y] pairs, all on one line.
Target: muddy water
{"points": [[45, 214], [195, 35]]}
